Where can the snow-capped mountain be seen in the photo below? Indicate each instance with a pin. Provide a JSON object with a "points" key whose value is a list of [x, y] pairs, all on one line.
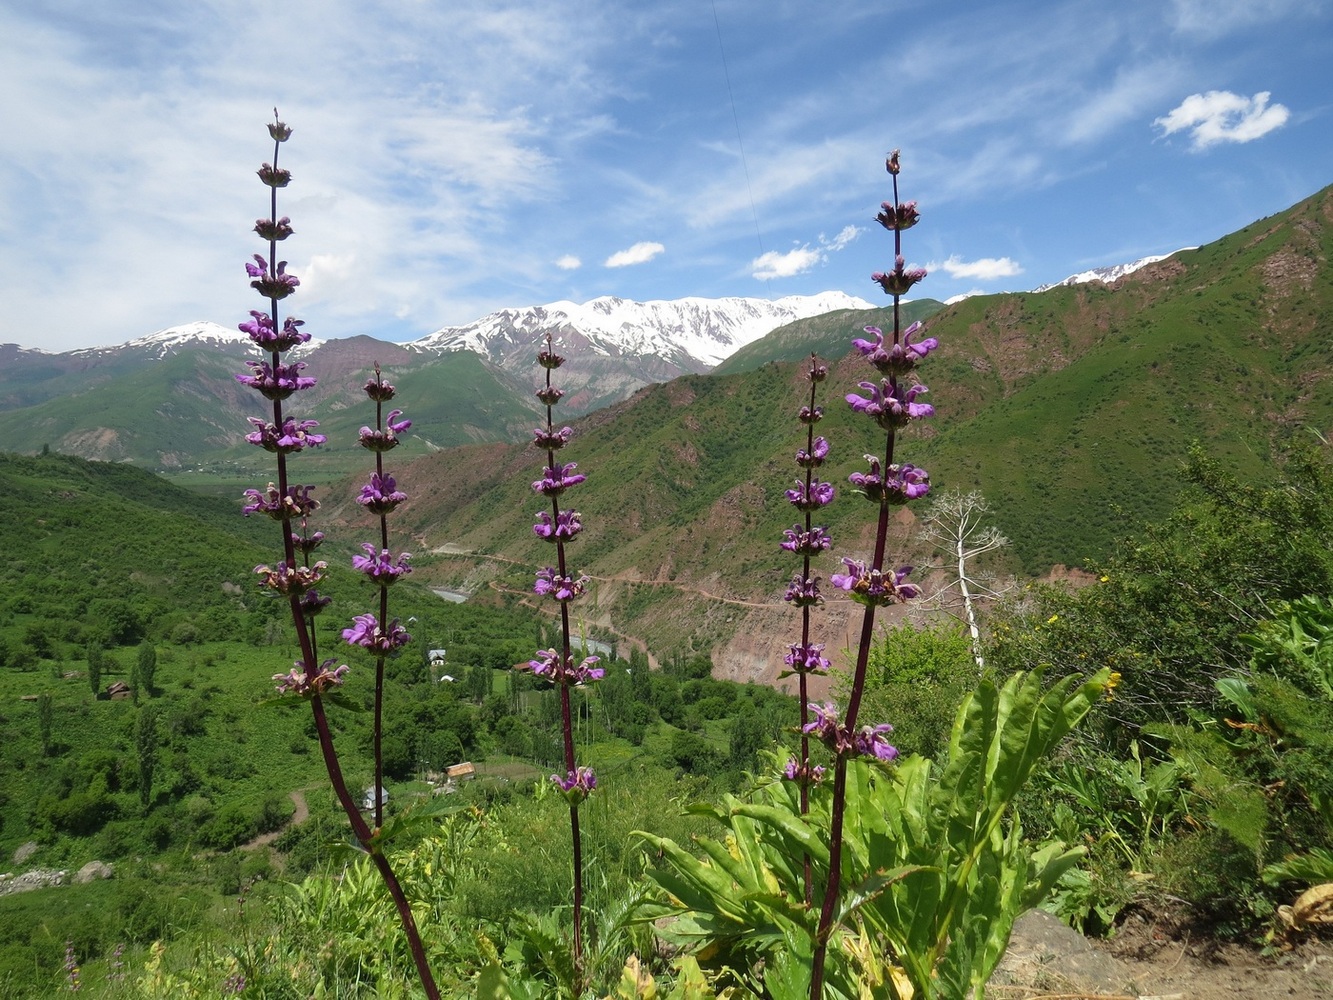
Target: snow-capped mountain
{"points": [[693, 334], [1107, 275], [163, 343]]}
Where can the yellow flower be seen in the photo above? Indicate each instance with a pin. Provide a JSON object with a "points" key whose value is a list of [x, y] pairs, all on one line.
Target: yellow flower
{"points": [[1052, 620], [1112, 682]]}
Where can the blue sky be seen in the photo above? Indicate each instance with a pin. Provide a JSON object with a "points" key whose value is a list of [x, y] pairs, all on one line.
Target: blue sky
{"points": [[453, 158]]}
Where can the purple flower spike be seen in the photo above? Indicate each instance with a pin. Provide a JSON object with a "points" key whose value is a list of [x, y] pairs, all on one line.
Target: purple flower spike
{"points": [[813, 459], [290, 579], [565, 529], [292, 436], [810, 499], [804, 659], [261, 331], [378, 564], [275, 230], [803, 592], [900, 279], [312, 603], [802, 542], [810, 415], [898, 217], [549, 667], [890, 404], [577, 785], [557, 478], [868, 741], [903, 482], [277, 284], [297, 681], [366, 632], [870, 586], [802, 773], [387, 439], [274, 178], [563, 588], [306, 543], [551, 440], [381, 495], [297, 503], [276, 382], [549, 359], [549, 394], [895, 359], [379, 390]]}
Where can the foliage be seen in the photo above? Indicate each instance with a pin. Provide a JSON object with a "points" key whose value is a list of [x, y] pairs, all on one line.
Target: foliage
{"points": [[937, 868]]}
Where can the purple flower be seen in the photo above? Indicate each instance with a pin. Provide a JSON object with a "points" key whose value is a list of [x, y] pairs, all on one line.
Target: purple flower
{"points": [[290, 579], [816, 372], [274, 230], [813, 459], [903, 482], [810, 414], [577, 785], [557, 478], [803, 659], [566, 527], [312, 603], [276, 382], [304, 543], [274, 178], [802, 542], [549, 394], [378, 564], [871, 586], [279, 131], [381, 495], [810, 498], [900, 279], [291, 437], [896, 359], [297, 503], [868, 741], [366, 631], [549, 359], [890, 404], [387, 439], [261, 331], [803, 592], [898, 217], [379, 390], [298, 681], [549, 666], [563, 588], [802, 773], [551, 440], [277, 284]]}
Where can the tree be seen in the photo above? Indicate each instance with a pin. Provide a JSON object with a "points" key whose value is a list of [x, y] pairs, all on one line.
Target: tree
{"points": [[146, 669], [954, 525], [44, 715], [96, 661], [145, 742]]}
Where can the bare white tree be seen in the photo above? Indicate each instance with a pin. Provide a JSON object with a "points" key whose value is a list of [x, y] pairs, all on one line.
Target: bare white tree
{"points": [[954, 525]]}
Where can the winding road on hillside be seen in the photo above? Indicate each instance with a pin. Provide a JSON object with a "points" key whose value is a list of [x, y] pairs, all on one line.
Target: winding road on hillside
{"points": [[299, 816]]}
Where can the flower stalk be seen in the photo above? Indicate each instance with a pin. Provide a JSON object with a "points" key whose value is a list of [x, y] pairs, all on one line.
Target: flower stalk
{"points": [[295, 576], [560, 527], [891, 401], [807, 541]]}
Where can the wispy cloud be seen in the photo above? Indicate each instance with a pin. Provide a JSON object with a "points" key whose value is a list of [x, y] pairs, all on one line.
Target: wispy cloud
{"points": [[640, 253], [982, 269], [568, 262], [801, 259], [1221, 116]]}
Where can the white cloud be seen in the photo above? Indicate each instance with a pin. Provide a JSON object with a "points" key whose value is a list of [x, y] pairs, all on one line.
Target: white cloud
{"points": [[844, 237], [569, 263], [983, 269], [640, 253], [785, 265], [1221, 116]]}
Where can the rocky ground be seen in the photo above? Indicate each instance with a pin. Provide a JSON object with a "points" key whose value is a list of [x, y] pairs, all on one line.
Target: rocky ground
{"points": [[1152, 958]]}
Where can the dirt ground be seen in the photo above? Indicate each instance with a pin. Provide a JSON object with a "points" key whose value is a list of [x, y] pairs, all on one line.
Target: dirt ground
{"points": [[1151, 958]]}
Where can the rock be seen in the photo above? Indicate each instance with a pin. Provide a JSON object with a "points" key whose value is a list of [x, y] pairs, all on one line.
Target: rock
{"points": [[25, 851], [1045, 953], [92, 871]]}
